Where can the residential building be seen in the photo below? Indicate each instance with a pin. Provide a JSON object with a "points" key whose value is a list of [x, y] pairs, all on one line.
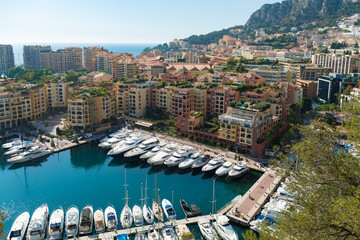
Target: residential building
{"points": [[251, 78], [218, 99], [309, 87], [6, 58], [342, 64], [96, 77], [182, 101], [161, 98], [139, 99], [39, 101], [180, 75], [186, 123], [62, 60], [275, 75], [332, 86], [57, 94], [353, 95], [90, 54], [122, 99], [312, 73], [124, 67], [31, 56]]}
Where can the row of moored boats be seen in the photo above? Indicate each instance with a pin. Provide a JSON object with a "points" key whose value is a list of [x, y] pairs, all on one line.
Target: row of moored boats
{"points": [[155, 152], [20, 151]]}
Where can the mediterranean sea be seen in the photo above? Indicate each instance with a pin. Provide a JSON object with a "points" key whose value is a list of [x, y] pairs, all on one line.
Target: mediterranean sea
{"points": [[86, 175], [135, 49]]}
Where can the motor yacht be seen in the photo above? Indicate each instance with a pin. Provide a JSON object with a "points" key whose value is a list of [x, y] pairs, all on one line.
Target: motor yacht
{"points": [[162, 155], [238, 170], [18, 228], [168, 209], [201, 162], [144, 147], [32, 154], [111, 219], [168, 232], [126, 145], [38, 223], [178, 156], [256, 225], [56, 224], [13, 143], [187, 163], [206, 229], [224, 169], [158, 213], [213, 164], [224, 229], [152, 152], [19, 149], [99, 221], [86, 220], [186, 208], [110, 142], [126, 217], [138, 216], [153, 234], [148, 214], [72, 222]]}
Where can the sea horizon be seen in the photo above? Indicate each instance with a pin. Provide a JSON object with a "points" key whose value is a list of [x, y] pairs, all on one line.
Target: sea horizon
{"points": [[134, 48]]}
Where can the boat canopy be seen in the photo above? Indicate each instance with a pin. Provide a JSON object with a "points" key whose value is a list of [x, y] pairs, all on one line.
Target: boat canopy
{"points": [[111, 216], [55, 225]]}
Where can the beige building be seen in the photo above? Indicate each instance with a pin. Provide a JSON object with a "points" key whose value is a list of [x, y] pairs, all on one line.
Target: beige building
{"points": [[62, 60], [90, 54], [57, 94], [6, 58], [124, 67], [31, 56], [139, 99], [96, 77]]}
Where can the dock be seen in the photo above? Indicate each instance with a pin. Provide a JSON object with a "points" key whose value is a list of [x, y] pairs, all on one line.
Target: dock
{"points": [[134, 230], [248, 207]]}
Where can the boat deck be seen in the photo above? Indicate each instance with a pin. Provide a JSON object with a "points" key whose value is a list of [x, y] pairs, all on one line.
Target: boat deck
{"points": [[247, 207], [134, 230]]}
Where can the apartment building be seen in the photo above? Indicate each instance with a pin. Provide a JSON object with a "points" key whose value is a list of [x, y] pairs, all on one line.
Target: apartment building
{"points": [[96, 77], [342, 64], [312, 73], [309, 87], [180, 75], [252, 79], [86, 110], [57, 94], [14, 108], [218, 99], [200, 101], [62, 60], [243, 128], [124, 67], [182, 101], [6, 58], [139, 99], [275, 75], [31, 56], [186, 124], [161, 98], [90, 56], [122, 99]]}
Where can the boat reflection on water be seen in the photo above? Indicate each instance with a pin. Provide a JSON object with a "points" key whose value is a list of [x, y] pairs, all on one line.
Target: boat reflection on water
{"points": [[35, 163], [87, 156], [156, 169], [117, 162]]}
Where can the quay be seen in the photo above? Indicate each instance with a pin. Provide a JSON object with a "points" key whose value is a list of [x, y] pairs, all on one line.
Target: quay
{"points": [[247, 207], [134, 230]]}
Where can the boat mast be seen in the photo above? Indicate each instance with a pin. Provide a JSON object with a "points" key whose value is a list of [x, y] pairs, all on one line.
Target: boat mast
{"points": [[146, 188], [126, 193], [155, 191], [142, 197], [213, 209]]}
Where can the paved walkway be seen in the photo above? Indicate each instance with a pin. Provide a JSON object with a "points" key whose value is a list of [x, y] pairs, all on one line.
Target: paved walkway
{"points": [[251, 203]]}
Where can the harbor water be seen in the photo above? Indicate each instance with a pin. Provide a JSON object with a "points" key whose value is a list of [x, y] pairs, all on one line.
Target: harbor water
{"points": [[86, 175]]}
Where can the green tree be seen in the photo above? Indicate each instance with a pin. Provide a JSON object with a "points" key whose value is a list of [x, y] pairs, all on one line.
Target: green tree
{"points": [[240, 69], [172, 122], [52, 144], [76, 139], [13, 71]]}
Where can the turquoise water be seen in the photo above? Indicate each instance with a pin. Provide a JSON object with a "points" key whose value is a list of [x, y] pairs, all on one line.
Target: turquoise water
{"points": [[86, 175], [135, 49]]}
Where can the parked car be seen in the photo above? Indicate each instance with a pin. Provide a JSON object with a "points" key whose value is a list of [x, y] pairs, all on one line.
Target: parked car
{"points": [[88, 135]]}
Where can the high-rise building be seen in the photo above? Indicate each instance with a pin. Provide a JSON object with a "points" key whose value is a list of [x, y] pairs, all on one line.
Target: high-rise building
{"points": [[90, 54], [343, 64], [62, 60], [32, 56], [6, 58]]}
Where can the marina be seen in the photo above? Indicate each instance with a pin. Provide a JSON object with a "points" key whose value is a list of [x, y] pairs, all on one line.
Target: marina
{"points": [[90, 159]]}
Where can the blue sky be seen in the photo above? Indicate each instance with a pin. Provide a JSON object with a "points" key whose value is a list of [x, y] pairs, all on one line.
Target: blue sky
{"points": [[118, 21]]}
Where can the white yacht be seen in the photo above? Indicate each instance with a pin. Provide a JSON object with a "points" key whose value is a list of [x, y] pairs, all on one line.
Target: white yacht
{"points": [[213, 164], [111, 219], [207, 231], [168, 209], [162, 155], [153, 234], [110, 142], [238, 170], [168, 232], [224, 229], [224, 169], [148, 214], [126, 217], [261, 222], [126, 145], [56, 224], [180, 155], [38, 223], [86, 220], [13, 143], [198, 164], [158, 213], [19, 149], [144, 147], [187, 163], [19, 226], [99, 221], [32, 154], [138, 216], [72, 222], [152, 152]]}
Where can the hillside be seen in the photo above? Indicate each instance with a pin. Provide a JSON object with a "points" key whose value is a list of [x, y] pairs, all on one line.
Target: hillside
{"points": [[294, 13]]}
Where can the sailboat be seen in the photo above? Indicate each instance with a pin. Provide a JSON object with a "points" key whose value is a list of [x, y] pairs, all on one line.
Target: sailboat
{"points": [[126, 217], [158, 213], [146, 210]]}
